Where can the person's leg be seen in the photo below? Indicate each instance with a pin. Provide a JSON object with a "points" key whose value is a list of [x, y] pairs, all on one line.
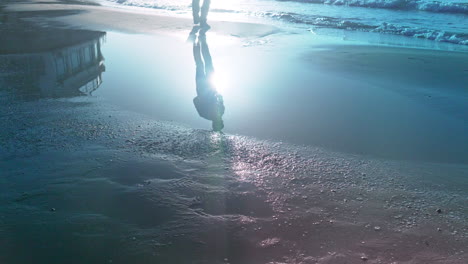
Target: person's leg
{"points": [[200, 67], [205, 51], [204, 12], [196, 11]]}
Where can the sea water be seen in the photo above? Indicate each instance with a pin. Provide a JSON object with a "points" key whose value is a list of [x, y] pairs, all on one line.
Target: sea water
{"points": [[442, 21]]}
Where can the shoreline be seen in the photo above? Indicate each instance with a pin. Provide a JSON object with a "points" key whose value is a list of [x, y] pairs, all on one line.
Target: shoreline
{"points": [[338, 64], [138, 20], [129, 21]]}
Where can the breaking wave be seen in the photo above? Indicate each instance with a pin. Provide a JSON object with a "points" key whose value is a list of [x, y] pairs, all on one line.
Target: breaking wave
{"points": [[429, 6], [384, 27]]}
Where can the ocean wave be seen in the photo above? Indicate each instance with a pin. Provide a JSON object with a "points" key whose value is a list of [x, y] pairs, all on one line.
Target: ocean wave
{"points": [[440, 36], [384, 27], [429, 6]]}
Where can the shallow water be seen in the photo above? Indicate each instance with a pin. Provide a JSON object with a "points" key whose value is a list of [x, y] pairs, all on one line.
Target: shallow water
{"points": [[127, 172], [318, 104]]}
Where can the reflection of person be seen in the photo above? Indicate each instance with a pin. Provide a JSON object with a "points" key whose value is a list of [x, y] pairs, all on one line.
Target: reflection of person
{"points": [[200, 17], [208, 102]]}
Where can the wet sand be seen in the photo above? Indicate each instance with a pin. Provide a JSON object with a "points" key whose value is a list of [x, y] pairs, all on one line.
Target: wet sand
{"points": [[130, 21], [98, 179]]}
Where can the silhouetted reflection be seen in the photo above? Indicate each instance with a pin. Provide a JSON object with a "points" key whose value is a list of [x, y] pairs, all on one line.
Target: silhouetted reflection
{"points": [[74, 69], [208, 102]]}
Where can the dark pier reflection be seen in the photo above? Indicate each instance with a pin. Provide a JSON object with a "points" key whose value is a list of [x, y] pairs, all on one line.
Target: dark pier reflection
{"points": [[73, 66], [208, 102]]}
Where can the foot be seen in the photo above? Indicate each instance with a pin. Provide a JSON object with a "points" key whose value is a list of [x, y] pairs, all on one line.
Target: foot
{"points": [[203, 24], [193, 34], [204, 27]]}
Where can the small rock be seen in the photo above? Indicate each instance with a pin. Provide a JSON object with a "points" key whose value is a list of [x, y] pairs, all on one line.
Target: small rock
{"points": [[439, 229], [377, 228], [439, 211], [364, 258], [52, 209]]}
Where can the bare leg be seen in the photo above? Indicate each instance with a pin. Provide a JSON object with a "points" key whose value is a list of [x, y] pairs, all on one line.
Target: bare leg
{"points": [[206, 56], [200, 67], [204, 11], [196, 11]]}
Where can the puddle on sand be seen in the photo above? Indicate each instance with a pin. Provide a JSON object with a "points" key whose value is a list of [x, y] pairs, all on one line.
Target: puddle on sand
{"points": [[272, 94]]}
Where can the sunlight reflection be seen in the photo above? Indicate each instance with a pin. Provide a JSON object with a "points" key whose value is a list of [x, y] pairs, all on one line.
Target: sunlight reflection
{"points": [[216, 138], [220, 82]]}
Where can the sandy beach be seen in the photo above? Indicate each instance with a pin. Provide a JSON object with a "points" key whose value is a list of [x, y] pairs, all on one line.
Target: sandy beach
{"points": [[333, 151]]}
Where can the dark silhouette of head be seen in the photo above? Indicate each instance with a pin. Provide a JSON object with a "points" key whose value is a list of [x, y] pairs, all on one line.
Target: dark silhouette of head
{"points": [[217, 125]]}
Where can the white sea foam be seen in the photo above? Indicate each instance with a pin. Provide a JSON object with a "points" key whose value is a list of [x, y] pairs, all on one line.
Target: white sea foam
{"points": [[421, 33], [431, 6], [384, 27]]}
